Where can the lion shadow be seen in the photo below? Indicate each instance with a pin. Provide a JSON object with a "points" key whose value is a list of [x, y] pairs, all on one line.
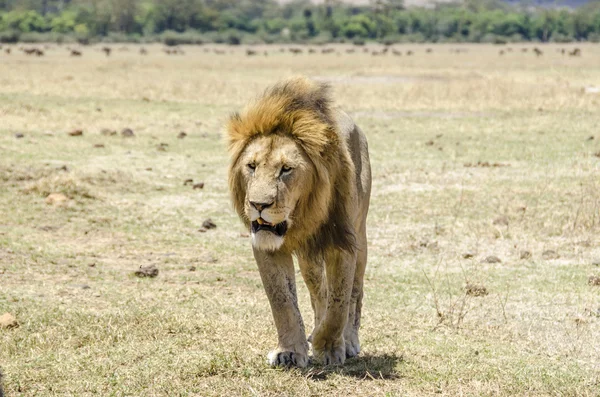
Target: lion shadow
{"points": [[364, 367]]}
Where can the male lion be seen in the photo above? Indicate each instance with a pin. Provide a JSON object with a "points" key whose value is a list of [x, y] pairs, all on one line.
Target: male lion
{"points": [[300, 180]]}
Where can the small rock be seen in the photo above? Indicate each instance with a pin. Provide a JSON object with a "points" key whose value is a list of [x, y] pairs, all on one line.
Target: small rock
{"points": [[590, 138], [56, 199], [550, 254], [127, 133], [188, 182], [8, 321], [202, 230], [181, 135], [501, 221], [468, 255], [76, 133], [147, 271], [98, 145], [594, 281], [492, 259], [208, 224], [199, 185], [596, 263], [525, 255], [476, 290], [192, 268], [429, 143], [597, 154], [19, 135]]}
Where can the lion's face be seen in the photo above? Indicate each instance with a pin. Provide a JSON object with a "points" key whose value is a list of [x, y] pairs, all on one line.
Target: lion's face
{"points": [[276, 173]]}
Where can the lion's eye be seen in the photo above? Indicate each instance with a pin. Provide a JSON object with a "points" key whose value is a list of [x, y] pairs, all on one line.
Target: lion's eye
{"points": [[285, 170], [252, 166]]}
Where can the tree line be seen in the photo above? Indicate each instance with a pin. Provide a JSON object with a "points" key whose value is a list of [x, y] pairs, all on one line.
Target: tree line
{"points": [[268, 21]]}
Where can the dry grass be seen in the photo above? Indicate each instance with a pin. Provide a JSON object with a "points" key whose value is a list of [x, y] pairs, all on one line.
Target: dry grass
{"points": [[474, 155]]}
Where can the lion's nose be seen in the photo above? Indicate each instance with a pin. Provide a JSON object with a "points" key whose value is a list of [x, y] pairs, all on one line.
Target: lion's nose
{"points": [[260, 206]]}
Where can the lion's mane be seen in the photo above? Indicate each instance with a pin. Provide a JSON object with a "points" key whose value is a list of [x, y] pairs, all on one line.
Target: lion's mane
{"points": [[301, 109]]}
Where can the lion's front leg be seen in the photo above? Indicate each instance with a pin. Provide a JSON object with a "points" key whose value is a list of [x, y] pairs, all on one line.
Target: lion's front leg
{"points": [[277, 274], [328, 339], [313, 272]]}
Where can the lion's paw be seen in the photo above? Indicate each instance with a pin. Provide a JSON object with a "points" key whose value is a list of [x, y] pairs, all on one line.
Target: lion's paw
{"points": [[352, 346], [336, 355], [287, 358]]}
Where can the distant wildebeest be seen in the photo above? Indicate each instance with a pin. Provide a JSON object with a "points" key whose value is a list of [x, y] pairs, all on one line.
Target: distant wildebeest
{"points": [[409, 52], [219, 52], [501, 52], [429, 50], [250, 52], [524, 50], [396, 52], [575, 53], [327, 50], [76, 53], [7, 51], [311, 50], [295, 51], [174, 51], [350, 51], [537, 51], [143, 51], [106, 50]]}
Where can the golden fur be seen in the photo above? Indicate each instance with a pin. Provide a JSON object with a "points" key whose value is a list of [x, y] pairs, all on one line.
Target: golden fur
{"points": [[323, 197]]}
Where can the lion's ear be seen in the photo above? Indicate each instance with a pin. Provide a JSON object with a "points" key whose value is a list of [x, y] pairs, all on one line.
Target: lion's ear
{"points": [[237, 188]]}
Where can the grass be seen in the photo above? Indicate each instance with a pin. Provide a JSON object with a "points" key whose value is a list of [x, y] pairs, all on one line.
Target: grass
{"points": [[436, 123]]}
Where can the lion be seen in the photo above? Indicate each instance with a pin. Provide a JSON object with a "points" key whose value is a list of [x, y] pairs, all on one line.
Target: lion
{"points": [[300, 180]]}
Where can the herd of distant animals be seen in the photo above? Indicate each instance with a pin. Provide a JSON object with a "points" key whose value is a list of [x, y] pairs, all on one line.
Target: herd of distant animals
{"points": [[35, 51]]}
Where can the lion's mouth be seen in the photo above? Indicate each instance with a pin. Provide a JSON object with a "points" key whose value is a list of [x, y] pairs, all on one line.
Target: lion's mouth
{"points": [[278, 229]]}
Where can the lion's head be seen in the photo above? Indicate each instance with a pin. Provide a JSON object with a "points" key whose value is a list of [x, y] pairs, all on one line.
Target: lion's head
{"points": [[285, 167]]}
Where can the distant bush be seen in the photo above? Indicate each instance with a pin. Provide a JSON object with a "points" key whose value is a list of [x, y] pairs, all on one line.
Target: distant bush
{"points": [[494, 39], [123, 38], [392, 39], [560, 38], [594, 37], [233, 37], [9, 36], [172, 38], [322, 38]]}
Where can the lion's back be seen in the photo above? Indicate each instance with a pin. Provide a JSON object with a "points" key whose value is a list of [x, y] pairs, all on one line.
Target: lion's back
{"points": [[358, 148]]}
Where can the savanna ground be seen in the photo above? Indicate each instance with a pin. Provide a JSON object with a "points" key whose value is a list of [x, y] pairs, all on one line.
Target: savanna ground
{"points": [[474, 155]]}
